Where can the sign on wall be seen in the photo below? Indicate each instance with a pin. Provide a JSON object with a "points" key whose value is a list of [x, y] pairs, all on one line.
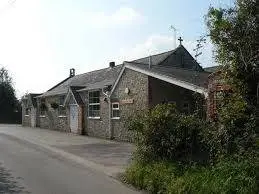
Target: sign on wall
{"points": [[127, 101]]}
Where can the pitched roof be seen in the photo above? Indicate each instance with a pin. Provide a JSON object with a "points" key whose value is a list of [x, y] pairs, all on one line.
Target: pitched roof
{"points": [[164, 63], [76, 95], [90, 80], [198, 78], [32, 98], [156, 59]]}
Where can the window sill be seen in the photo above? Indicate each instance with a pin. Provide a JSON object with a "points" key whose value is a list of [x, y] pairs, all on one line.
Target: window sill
{"points": [[115, 118], [62, 116], [42, 116], [95, 118]]}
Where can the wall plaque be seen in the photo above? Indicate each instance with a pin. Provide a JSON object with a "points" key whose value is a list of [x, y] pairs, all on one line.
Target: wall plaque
{"points": [[127, 101]]}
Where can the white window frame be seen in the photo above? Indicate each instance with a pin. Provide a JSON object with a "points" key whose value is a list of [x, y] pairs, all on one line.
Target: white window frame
{"points": [[61, 115], [61, 106], [28, 112], [91, 104], [115, 109]]}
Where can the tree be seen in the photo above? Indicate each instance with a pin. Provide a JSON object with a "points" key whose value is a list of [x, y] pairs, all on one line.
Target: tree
{"points": [[9, 105], [234, 32]]}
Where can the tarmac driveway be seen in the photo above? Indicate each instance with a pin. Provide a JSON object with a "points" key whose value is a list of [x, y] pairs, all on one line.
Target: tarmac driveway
{"points": [[106, 153]]}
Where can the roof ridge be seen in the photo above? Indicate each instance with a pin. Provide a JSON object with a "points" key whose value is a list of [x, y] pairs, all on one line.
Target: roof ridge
{"points": [[156, 54], [98, 70]]}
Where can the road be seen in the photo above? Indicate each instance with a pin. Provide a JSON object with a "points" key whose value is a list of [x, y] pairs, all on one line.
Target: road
{"points": [[26, 168]]}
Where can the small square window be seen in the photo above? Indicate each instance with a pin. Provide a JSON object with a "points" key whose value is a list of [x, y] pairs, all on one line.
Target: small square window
{"points": [[115, 110]]}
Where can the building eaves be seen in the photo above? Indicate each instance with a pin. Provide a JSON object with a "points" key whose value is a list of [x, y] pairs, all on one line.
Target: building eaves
{"points": [[190, 79]]}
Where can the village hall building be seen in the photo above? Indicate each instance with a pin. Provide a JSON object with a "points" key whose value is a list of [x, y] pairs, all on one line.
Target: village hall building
{"points": [[99, 103]]}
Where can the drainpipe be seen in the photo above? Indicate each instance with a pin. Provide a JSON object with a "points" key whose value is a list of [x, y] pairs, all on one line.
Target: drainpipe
{"points": [[109, 115], [110, 123]]}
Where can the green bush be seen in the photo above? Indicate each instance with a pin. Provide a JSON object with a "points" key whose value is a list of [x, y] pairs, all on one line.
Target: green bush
{"points": [[152, 177], [225, 177], [184, 154], [164, 134], [229, 176], [234, 132]]}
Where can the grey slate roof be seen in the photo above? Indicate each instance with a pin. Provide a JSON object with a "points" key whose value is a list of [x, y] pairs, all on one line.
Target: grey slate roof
{"points": [[156, 59], [198, 78], [77, 96], [31, 97], [160, 64], [91, 80]]}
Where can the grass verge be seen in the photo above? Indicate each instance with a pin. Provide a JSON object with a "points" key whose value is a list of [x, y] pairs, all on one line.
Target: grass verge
{"points": [[229, 176]]}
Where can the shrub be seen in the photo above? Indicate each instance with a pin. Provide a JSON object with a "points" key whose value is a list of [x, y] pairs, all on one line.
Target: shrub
{"points": [[162, 133], [54, 105], [228, 176], [234, 132], [43, 106], [152, 177]]}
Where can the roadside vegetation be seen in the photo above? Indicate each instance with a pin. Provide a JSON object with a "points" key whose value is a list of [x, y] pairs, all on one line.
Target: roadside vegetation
{"points": [[179, 153], [10, 108], [184, 154]]}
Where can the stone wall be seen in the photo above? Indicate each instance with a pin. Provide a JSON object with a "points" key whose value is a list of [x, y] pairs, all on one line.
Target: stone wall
{"points": [[52, 119], [137, 83], [96, 127], [26, 119]]}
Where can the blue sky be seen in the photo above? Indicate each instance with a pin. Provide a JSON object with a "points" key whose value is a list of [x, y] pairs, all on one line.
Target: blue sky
{"points": [[40, 40]]}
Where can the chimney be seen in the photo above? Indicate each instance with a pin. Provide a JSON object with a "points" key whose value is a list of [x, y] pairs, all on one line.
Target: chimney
{"points": [[150, 61], [72, 72], [112, 64]]}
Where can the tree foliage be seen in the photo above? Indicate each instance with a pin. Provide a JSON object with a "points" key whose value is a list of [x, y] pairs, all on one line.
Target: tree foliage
{"points": [[9, 105], [163, 133], [234, 32]]}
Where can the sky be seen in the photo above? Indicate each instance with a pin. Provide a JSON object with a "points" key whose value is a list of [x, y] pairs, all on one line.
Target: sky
{"points": [[40, 40]]}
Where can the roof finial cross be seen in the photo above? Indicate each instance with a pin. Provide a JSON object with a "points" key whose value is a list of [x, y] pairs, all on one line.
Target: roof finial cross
{"points": [[181, 40]]}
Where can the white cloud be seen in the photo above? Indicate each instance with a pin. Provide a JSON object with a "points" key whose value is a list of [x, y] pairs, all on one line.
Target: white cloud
{"points": [[122, 16], [160, 43]]}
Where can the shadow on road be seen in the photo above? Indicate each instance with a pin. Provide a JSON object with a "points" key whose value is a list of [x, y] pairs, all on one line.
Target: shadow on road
{"points": [[9, 184]]}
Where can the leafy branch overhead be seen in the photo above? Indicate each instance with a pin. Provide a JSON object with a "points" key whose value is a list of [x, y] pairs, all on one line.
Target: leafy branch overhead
{"points": [[234, 33]]}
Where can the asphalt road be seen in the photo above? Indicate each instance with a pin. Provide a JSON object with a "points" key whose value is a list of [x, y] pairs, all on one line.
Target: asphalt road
{"points": [[25, 168]]}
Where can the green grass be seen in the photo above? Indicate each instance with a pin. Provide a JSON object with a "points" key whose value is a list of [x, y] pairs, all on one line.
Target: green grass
{"points": [[229, 176]]}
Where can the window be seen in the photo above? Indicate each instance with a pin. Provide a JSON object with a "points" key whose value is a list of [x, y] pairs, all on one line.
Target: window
{"points": [[115, 110], [43, 107], [42, 112], [94, 104], [61, 108], [27, 112]]}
